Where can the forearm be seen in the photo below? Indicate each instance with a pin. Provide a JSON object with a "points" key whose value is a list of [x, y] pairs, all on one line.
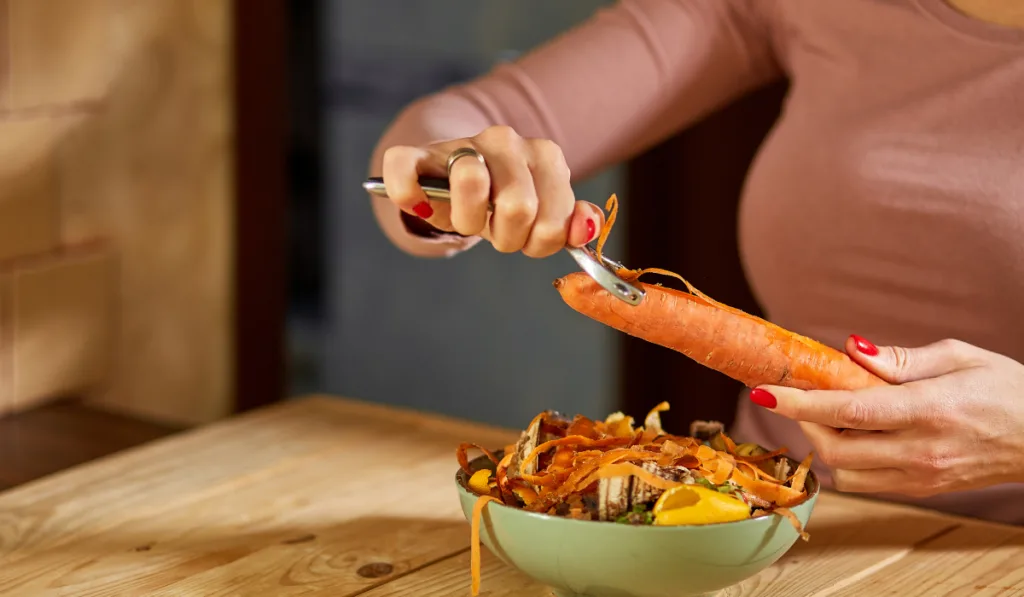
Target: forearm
{"points": [[626, 79]]}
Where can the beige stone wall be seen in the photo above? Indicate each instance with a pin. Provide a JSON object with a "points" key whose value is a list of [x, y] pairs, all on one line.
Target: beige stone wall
{"points": [[115, 205]]}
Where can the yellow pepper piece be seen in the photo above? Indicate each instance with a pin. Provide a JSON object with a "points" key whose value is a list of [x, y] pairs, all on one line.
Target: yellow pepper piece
{"points": [[478, 482], [695, 504]]}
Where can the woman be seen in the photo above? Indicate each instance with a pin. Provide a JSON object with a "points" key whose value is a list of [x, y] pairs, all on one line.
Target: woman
{"points": [[887, 201]]}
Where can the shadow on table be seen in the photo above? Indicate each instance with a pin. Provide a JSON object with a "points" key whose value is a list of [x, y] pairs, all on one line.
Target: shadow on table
{"points": [[921, 532]]}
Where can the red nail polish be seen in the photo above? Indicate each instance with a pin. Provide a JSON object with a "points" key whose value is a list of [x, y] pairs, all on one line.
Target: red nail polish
{"points": [[864, 346], [763, 398], [591, 229], [423, 210]]}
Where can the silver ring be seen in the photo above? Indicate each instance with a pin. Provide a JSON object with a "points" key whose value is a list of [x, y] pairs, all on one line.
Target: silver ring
{"points": [[461, 153]]}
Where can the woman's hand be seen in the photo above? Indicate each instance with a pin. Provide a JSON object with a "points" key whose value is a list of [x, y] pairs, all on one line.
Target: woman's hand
{"points": [[954, 421], [527, 180]]}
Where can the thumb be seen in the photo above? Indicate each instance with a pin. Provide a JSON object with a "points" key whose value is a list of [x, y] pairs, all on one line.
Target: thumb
{"points": [[898, 365], [586, 223]]}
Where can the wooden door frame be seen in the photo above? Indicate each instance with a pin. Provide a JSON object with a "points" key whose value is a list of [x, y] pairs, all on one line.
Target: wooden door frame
{"points": [[260, 50]]}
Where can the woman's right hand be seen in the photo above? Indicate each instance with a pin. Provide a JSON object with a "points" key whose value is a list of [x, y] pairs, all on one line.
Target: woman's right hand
{"points": [[534, 208]]}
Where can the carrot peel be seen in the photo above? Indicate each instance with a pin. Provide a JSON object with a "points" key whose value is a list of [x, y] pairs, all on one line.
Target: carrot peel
{"points": [[463, 457], [474, 550]]}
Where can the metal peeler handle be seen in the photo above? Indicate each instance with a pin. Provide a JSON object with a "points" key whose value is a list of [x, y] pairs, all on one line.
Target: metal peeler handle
{"points": [[601, 270], [434, 187]]}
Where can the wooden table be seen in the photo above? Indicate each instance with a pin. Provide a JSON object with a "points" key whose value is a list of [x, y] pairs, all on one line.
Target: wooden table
{"points": [[325, 496]]}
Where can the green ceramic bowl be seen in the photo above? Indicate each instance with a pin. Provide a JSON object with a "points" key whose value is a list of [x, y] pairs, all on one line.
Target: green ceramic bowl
{"points": [[606, 559]]}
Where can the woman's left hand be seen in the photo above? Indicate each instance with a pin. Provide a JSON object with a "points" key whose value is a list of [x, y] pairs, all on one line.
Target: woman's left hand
{"points": [[953, 420]]}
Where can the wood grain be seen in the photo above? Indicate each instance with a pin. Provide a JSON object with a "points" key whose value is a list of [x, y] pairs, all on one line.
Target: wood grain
{"points": [[151, 171], [56, 61], [450, 578], [287, 500], [333, 497], [976, 559], [848, 536]]}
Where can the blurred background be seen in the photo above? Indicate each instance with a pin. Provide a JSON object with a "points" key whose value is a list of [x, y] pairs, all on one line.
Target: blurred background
{"points": [[484, 335], [183, 235]]}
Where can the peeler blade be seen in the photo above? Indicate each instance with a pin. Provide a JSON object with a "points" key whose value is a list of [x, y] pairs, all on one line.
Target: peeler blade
{"points": [[603, 272]]}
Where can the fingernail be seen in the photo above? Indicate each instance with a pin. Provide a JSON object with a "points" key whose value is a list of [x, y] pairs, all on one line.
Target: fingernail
{"points": [[591, 229], [423, 210], [864, 346], [763, 398]]}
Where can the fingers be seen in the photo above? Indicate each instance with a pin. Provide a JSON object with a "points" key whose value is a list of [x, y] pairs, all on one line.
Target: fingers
{"points": [[520, 198], [470, 188], [513, 193], [899, 365], [550, 230], [875, 462], [886, 480], [891, 481], [904, 462], [401, 168], [561, 220], [587, 221], [854, 450], [875, 409]]}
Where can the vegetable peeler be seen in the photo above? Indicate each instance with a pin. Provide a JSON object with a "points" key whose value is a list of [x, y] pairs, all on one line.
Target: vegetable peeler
{"points": [[602, 269]]}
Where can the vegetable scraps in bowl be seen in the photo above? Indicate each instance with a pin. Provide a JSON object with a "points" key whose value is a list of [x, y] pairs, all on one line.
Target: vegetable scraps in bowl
{"points": [[612, 472]]}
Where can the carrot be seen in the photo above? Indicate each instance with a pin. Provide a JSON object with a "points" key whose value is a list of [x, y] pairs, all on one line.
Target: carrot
{"points": [[744, 347]]}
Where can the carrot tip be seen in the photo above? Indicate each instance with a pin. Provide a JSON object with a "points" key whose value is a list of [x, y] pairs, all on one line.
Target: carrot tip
{"points": [[558, 282]]}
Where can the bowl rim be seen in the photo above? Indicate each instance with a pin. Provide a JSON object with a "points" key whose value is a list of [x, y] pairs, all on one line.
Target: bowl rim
{"points": [[462, 479]]}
